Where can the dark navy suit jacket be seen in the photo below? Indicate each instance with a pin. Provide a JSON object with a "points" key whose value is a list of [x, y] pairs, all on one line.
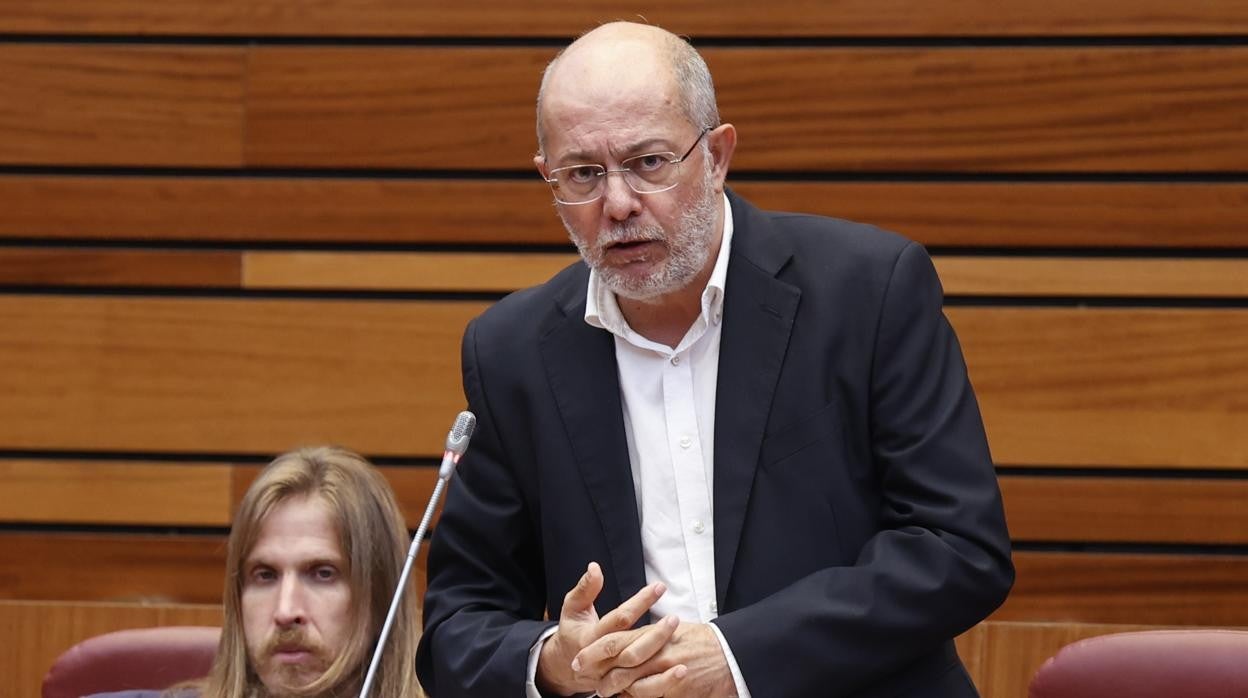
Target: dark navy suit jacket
{"points": [[858, 522]]}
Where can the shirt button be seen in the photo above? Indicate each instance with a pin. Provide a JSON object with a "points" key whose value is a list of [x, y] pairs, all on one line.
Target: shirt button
{"points": [[685, 442], [714, 607], [698, 527], [675, 360]]}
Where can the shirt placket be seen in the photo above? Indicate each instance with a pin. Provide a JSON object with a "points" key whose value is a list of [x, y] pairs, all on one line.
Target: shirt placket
{"points": [[692, 495]]}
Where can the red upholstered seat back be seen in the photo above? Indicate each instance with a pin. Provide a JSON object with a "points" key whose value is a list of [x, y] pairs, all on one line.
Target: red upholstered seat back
{"points": [[151, 658], [1204, 663]]}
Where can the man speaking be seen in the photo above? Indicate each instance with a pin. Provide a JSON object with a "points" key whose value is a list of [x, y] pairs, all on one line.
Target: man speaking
{"points": [[736, 452]]}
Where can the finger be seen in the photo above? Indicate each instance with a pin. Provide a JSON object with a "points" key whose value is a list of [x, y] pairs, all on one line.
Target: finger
{"points": [[623, 617], [580, 599], [616, 681], [657, 685], [630, 648], [598, 657]]}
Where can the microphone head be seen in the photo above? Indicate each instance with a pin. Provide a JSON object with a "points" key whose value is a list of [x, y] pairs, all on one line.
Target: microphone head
{"points": [[461, 432]]}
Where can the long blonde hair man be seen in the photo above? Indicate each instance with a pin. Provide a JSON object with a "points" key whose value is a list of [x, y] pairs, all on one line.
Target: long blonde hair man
{"points": [[371, 540]]}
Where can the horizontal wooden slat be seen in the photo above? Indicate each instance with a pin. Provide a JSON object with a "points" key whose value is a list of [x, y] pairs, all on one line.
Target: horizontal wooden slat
{"points": [[1172, 589], [1110, 387], [121, 105], [1058, 386], [245, 209], [1128, 509], [97, 267], [37, 632], [564, 18], [445, 271], [155, 493], [487, 271], [125, 17], [1058, 276], [418, 107], [112, 567], [1047, 109], [981, 276], [169, 494], [212, 375], [121, 567], [412, 485], [1076, 587]]}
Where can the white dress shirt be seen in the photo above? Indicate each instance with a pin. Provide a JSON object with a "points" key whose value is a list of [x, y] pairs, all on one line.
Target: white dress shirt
{"points": [[669, 422]]}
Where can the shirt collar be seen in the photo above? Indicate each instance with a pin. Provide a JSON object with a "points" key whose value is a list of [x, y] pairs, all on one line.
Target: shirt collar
{"points": [[602, 310]]}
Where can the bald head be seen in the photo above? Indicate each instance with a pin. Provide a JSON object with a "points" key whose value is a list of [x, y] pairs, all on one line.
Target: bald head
{"points": [[630, 63]]}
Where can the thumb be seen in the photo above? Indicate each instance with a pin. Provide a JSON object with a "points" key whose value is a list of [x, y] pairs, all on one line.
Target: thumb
{"points": [[581, 598]]}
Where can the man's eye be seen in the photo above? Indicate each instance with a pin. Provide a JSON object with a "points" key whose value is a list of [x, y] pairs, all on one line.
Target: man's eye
{"points": [[325, 573], [581, 175], [648, 163], [261, 575]]}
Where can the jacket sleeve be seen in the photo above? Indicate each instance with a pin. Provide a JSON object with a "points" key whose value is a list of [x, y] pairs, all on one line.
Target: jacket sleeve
{"points": [[485, 588]]}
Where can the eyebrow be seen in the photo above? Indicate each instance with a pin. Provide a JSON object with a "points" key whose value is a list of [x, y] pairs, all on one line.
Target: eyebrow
{"points": [[254, 561]]}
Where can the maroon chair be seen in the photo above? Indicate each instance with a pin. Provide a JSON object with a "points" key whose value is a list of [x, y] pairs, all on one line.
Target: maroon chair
{"points": [[145, 658], [1204, 663]]}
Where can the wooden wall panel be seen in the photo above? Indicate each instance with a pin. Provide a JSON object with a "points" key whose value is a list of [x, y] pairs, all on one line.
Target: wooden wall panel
{"points": [[1024, 214], [412, 485], [121, 105], [132, 567], [154, 154], [960, 275], [486, 271], [34, 266], [431, 271], [1126, 509], [1058, 386], [1162, 588], [156, 494], [133, 17], [125, 567], [420, 107], [407, 211], [985, 109], [228, 376], [1110, 387], [36, 633], [566, 18], [1178, 588], [165, 494], [1053, 109], [1117, 276]]}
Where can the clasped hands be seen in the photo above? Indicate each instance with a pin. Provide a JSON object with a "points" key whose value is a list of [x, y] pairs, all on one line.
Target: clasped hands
{"points": [[588, 654]]}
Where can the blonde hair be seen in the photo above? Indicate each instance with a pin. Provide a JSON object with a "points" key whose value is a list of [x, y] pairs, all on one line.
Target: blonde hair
{"points": [[373, 538]]}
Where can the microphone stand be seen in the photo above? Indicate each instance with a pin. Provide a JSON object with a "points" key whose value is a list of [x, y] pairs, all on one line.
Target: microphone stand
{"points": [[456, 444]]}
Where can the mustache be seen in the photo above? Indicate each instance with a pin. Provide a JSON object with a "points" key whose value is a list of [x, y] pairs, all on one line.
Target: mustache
{"points": [[291, 638], [629, 232]]}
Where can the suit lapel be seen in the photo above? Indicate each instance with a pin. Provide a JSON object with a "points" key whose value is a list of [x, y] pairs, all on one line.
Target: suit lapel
{"points": [[758, 319], [581, 368]]}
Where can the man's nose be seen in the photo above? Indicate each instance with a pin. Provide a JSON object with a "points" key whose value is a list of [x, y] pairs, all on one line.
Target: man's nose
{"points": [[619, 201], [290, 607]]}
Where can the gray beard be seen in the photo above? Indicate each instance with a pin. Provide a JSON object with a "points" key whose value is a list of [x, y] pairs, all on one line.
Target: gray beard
{"points": [[689, 249]]}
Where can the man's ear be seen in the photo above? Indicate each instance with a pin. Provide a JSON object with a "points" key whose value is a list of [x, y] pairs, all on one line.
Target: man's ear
{"points": [[539, 161], [723, 142]]}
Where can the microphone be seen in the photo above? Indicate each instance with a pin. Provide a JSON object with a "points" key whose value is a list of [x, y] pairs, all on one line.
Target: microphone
{"points": [[456, 443]]}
